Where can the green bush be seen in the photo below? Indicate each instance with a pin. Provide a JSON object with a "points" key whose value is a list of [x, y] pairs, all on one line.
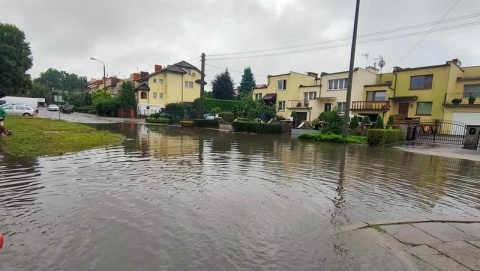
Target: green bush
{"points": [[329, 137], [354, 123], [108, 107], [379, 123], [366, 120], [256, 127], [84, 109], [227, 116], [155, 115], [205, 123], [391, 120], [157, 120], [379, 137], [327, 116]]}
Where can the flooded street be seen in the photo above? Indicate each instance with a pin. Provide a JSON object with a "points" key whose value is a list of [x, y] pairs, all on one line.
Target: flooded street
{"points": [[190, 199]]}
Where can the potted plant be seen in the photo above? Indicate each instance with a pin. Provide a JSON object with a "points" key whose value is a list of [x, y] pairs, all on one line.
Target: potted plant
{"points": [[471, 99], [456, 101]]}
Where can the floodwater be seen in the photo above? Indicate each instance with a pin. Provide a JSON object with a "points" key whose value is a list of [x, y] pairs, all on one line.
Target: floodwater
{"points": [[187, 199]]}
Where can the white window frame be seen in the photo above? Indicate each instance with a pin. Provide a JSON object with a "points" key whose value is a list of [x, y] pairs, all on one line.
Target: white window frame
{"points": [[338, 84], [282, 84], [160, 81], [154, 95], [160, 95], [258, 96], [341, 107], [154, 80], [308, 96], [188, 84], [281, 106]]}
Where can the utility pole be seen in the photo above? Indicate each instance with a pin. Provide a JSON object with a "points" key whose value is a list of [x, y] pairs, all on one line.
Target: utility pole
{"points": [[202, 86], [346, 114]]}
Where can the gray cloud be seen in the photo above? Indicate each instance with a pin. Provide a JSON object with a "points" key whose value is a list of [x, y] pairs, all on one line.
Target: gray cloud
{"points": [[134, 35]]}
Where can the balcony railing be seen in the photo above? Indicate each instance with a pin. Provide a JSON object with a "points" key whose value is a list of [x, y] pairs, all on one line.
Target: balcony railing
{"points": [[370, 105], [462, 99], [298, 104]]}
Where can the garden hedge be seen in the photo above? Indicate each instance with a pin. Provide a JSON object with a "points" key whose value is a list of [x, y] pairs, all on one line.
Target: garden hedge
{"points": [[227, 116], [379, 137], [330, 137], [205, 123], [85, 109], [157, 120], [224, 105], [256, 127]]}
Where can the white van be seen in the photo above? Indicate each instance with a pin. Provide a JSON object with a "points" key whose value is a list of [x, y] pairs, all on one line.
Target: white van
{"points": [[148, 109], [32, 102]]}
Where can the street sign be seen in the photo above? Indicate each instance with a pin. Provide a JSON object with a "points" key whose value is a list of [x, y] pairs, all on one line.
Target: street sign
{"points": [[57, 98]]}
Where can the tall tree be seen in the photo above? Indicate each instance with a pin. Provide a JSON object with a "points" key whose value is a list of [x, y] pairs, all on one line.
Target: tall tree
{"points": [[127, 95], [15, 60], [222, 86], [61, 80], [248, 81]]}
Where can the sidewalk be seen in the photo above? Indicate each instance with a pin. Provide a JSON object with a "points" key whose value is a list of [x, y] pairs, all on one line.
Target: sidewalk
{"points": [[113, 120], [452, 151], [422, 244]]}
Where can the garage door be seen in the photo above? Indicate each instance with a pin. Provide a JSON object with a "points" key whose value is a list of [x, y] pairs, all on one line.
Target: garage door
{"points": [[467, 118]]}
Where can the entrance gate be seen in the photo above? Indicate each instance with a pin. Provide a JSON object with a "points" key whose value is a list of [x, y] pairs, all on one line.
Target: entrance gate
{"points": [[439, 131]]}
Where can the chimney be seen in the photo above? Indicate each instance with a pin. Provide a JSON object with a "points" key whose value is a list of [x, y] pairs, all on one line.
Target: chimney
{"points": [[135, 76], [157, 68], [396, 69], [457, 62]]}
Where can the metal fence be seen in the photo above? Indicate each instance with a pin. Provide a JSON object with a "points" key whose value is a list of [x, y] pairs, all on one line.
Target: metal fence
{"points": [[439, 131]]}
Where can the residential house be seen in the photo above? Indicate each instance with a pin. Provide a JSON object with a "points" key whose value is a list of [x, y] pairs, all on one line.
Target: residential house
{"points": [[112, 84], [287, 92], [333, 94], [175, 83]]}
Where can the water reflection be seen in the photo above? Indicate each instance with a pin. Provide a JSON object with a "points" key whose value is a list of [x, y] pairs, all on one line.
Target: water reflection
{"points": [[200, 199]]}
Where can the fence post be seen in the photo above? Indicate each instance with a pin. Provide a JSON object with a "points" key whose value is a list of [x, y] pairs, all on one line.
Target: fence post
{"points": [[435, 127]]}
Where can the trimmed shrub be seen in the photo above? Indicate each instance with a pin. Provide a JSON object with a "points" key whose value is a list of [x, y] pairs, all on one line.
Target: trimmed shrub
{"points": [[379, 137], [186, 123], [157, 120], [354, 123], [391, 120], [256, 127], [327, 116], [155, 115], [366, 120], [333, 138], [379, 123], [205, 123], [210, 104], [227, 116]]}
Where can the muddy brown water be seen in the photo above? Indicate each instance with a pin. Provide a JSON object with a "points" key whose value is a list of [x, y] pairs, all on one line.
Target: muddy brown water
{"points": [[187, 199]]}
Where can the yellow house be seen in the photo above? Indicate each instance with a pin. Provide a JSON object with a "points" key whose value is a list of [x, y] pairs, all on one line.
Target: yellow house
{"points": [[333, 94], [426, 93], [177, 83], [290, 92]]}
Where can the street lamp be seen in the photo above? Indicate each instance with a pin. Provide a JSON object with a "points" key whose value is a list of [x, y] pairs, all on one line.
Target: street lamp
{"points": [[104, 84]]}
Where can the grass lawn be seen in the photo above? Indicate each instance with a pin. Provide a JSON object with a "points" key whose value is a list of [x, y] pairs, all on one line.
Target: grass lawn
{"points": [[334, 138], [39, 137]]}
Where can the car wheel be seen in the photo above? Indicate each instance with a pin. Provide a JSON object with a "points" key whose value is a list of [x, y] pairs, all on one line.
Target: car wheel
{"points": [[26, 115]]}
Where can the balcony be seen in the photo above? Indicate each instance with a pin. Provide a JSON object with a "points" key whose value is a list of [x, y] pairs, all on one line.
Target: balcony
{"points": [[298, 104], [370, 105], [462, 99]]}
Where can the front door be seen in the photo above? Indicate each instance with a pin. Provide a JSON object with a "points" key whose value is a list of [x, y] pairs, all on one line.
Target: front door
{"points": [[328, 107], [403, 109]]}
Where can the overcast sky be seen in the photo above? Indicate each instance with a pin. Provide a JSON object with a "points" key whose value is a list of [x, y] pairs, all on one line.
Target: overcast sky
{"points": [[132, 36]]}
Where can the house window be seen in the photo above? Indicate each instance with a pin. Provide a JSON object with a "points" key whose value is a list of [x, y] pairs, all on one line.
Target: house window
{"points": [[421, 82], [471, 90], [307, 96], [328, 107], [282, 84], [341, 107], [424, 108], [154, 95], [160, 81], [160, 95], [376, 96], [281, 106], [258, 96], [188, 84], [143, 95], [338, 84], [154, 80]]}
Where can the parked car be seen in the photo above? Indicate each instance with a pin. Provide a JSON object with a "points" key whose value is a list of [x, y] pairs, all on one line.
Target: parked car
{"points": [[68, 109], [52, 107], [19, 110]]}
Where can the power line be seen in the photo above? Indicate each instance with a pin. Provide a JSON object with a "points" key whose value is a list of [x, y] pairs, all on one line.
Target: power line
{"points": [[360, 42], [426, 34], [348, 38]]}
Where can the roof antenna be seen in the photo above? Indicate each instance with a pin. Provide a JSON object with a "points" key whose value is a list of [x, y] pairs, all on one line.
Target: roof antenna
{"points": [[366, 55], [381, 62]]}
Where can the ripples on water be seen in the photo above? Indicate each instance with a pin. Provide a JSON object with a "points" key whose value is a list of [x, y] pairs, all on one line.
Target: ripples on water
{"points": [[177, 199]]}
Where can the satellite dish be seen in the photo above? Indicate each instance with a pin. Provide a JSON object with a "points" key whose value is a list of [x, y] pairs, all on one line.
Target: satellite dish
{"points": [[381, 63]]}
